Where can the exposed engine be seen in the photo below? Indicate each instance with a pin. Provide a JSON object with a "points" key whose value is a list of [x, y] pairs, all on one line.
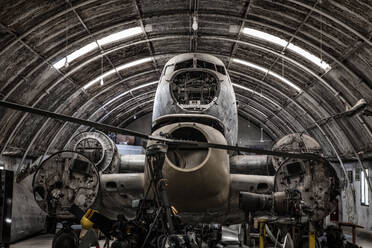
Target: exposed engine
{"points": [[98, 148], [64, 179], [194, 89]]}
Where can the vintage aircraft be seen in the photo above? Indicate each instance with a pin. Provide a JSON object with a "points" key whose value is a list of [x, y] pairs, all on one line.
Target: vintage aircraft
{"points": [[192, 172]]}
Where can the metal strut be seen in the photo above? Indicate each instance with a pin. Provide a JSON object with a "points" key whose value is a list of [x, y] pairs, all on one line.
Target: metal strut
{"points": [[156, 156]]}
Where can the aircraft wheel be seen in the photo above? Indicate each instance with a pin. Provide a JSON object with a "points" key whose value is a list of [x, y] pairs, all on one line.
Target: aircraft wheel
{"points": [[65, 239]]}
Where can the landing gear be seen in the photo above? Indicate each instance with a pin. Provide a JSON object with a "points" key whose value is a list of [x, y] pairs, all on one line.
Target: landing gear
{"points": [[65, 238]]}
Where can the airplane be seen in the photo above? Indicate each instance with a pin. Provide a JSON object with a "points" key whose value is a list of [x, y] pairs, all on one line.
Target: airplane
{"points": [[191, 162]]}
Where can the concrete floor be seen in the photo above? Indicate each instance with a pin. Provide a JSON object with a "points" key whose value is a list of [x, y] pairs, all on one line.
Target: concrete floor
{"points": [[41, 241], [45, 241]]}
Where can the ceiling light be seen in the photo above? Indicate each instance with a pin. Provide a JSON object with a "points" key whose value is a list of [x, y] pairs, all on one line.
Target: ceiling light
{"points": [[249, 64], [134, 63], [119, 68], [316, 60], [195, 23], [265, 36], [93, 45], [120, 35], [80, 52], [283, 43]]}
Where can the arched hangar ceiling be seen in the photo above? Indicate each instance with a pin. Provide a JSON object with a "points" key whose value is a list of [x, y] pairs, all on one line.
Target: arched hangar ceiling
{"points": [[296, 65]]}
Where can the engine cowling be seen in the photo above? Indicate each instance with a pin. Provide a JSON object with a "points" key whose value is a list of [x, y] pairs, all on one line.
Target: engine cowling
{"points": [[197, 179]]}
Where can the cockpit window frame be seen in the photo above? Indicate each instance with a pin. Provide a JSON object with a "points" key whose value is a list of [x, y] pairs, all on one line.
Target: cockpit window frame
{"points": [[166, 68], [184, 62], [204, 63], [222, 69], [216, 67]]}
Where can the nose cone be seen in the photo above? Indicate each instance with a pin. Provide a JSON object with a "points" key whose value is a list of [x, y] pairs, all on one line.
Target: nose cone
{"points": [[188, 159], [198, 179]]}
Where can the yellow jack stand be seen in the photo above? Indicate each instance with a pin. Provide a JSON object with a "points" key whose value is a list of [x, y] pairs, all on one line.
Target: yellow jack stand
{"points": [[262, 233], [311, 236]]}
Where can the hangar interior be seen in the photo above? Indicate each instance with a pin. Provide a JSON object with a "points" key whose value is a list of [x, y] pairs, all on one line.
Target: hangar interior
{"points": [[296, 66]]}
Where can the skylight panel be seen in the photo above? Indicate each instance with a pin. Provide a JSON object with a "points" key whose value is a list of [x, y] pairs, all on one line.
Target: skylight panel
{"points": [[82, 51], [265, 36], [264, 70], [94, 45], [283, 79], [321, 63], [120, 35], [134, 89], [60, 63], [119, 68], [134, 63], [281, 42], [76, 54], [249, 64]]}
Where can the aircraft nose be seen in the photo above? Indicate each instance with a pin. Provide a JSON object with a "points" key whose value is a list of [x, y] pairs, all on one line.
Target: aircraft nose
{"points": [[198, 178]]}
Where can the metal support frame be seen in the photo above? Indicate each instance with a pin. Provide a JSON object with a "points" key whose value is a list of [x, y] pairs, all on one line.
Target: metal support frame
{"points": [[289, 41], [93, 37], [235, 45], [35, 52], [205, 14], [148, 42], [365, 39]]}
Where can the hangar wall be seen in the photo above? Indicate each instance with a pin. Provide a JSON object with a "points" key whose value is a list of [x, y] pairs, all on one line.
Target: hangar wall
{"points": [[363, 212]]}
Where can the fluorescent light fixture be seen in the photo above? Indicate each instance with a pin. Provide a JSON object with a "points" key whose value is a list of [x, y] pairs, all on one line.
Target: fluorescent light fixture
{"points": [[265, 70], [285, 80], [281, 42], [249, 64], [80, 52], [92, 46], [265, 36], [134, 89], [120, 35], [255, 92], [316, 60], [119, 68], [134, 63]]}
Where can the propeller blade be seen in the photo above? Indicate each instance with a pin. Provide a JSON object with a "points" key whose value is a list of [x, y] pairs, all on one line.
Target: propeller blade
{"points": [[62, 117], [172, 144], [186, 144]]}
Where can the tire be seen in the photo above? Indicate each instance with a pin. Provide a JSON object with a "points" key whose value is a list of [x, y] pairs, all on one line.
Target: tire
{"points": [[65, 239]]}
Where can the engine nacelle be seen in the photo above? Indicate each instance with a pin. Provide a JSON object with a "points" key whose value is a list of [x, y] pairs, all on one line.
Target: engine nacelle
{"points": [[197, 179], [98, 148]]}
